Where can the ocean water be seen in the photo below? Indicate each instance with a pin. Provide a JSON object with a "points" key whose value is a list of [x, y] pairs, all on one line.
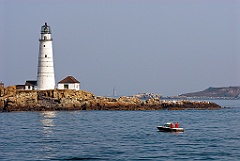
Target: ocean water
{"points": [[121, 135]]}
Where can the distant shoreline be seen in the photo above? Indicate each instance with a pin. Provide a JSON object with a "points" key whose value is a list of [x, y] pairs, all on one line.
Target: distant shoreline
{"points": [[211, 93], [201, 98]]}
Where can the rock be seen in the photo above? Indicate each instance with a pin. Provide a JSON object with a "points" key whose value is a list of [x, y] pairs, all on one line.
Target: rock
{"points": [[145, 96], [10, 91], [49, 100]]}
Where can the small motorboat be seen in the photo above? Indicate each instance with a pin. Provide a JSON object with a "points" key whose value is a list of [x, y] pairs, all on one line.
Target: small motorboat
{"points": [[167, 128]]}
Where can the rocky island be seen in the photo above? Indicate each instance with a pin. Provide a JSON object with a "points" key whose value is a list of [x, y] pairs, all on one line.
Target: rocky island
{"points": [[232, 92], [12, 99]]}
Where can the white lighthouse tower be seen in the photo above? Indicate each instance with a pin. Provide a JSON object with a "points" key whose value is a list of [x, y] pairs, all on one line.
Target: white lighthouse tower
{"points": [[45, 75]]}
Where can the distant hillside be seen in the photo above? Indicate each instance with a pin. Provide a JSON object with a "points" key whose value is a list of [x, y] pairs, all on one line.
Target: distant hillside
{"points": [[220, 92]]}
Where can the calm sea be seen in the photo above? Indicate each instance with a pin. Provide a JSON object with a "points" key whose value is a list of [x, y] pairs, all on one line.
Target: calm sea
{"points": [[121, 135]]}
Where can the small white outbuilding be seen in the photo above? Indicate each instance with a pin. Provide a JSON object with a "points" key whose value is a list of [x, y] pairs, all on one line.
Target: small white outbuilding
{"points": [[69, 83], [30, 85]]}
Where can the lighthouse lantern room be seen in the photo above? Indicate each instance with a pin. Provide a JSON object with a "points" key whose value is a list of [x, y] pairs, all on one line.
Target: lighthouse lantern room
{"points": [[45, 75]]}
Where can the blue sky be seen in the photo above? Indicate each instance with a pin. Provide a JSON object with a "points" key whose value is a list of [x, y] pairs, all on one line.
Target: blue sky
{"points": [[168, 47]]}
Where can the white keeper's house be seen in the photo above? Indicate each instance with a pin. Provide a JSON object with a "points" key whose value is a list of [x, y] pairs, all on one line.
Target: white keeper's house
{"points": [[69, 83]]}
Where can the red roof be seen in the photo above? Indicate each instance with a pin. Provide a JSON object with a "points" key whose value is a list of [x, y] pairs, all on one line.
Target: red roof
{"points": [[69, 79]]}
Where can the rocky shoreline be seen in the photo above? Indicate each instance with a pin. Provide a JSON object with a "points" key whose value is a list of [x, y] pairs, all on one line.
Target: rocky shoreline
{"points": [[12, 99]]}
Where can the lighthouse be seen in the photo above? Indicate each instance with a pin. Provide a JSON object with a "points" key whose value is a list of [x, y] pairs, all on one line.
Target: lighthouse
{"points": [[45, 75]]}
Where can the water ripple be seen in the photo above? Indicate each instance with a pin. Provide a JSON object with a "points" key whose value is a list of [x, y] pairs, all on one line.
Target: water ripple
{"points": [[119, 135]]}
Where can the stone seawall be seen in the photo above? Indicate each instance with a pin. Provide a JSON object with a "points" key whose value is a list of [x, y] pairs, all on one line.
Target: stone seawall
{"points": [[12, 99]]}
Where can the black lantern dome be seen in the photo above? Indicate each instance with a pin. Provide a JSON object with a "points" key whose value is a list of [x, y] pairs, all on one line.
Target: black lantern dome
{"points": [[45, 29]]}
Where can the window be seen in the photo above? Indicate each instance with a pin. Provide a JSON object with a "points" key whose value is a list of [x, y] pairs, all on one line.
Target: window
{"points": [[65, 86]]}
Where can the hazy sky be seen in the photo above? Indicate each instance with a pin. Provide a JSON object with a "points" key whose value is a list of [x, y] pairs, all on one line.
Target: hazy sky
{"points": [[168, 47]]}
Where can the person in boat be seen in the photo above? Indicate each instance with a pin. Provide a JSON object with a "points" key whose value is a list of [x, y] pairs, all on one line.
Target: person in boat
{"points": [[176, 125], [172, 125]]}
